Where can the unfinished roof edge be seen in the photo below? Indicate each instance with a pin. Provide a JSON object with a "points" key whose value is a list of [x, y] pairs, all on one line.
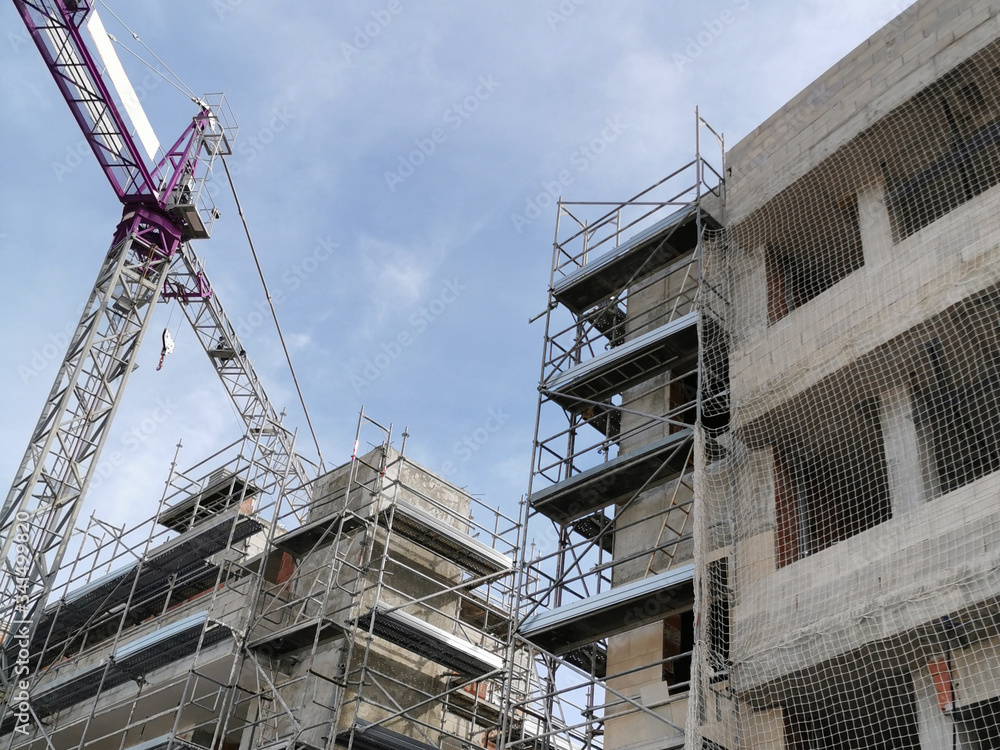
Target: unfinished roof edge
{"points": [[777, 161]]}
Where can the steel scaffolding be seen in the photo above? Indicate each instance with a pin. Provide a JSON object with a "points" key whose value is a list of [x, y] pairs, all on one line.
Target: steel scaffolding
{"points": [[368, 608], [611, 493], [392, 629], [142, 636]]}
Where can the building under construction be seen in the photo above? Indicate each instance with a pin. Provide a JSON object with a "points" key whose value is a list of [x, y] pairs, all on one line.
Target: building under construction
{"points": [[762, 508], [856, 506], [766, 453], [369, 609]]}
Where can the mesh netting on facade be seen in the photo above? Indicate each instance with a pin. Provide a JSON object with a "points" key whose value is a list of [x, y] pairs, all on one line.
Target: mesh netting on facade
{"points": [[848, 533]]}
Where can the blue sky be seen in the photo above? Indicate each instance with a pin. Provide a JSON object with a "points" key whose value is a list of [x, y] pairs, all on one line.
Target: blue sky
{"points": [[393, 161]]}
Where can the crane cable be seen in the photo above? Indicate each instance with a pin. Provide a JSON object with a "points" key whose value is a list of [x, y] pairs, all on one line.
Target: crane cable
{"points": [[179, 85], [190, 92], [274, 315]]}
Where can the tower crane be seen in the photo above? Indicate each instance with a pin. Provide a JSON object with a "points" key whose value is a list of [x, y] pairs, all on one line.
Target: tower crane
{"points": [[165, 206]]}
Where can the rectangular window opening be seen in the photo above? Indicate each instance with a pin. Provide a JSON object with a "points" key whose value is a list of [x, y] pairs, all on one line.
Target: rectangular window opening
{"points": [[958, 418], [719, 614], [678, 642], [824, 496], [800, 268], [952, 148]]}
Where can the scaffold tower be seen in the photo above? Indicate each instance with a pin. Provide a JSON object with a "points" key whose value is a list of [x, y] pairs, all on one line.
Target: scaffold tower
{"points": [[605, 594]]}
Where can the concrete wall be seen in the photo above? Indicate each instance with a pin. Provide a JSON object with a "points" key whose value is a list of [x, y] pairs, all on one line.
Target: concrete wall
{"points": [[369, 566], [881, 73], [633, 652], [870, 587], [945, 262]]}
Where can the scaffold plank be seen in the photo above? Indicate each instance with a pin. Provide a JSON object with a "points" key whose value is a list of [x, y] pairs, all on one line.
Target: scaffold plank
{"points": [[319, 532], [664, 241], [316, 630], [164, 742], [141, 656], [437, 536], [593, 655], [168, 644], [614, 480], [622, 608], [482, 613], [218, 496], [599, 528], [183, 557], [672, 345], [78, 685], [368, 736], [429, 641]]}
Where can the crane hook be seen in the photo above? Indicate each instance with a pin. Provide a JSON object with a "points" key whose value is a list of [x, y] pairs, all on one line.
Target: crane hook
{"points": [[168, 347]]}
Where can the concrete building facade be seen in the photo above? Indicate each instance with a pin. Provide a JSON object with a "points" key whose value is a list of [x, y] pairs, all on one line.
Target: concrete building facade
{"points": [[855, 507], [763, 501], [840, 402]]}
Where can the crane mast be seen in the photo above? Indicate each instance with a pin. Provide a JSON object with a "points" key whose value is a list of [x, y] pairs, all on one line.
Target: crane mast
{"points": [[150, 259]]}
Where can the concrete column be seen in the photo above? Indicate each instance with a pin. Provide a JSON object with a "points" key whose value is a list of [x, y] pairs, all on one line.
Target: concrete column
{"points": [[754, 549], [749, 296], [934, 728], [902, 451], [873, 218]]}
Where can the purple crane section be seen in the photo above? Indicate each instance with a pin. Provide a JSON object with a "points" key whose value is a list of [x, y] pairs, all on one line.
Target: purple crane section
{"points": [[173, 182]]}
